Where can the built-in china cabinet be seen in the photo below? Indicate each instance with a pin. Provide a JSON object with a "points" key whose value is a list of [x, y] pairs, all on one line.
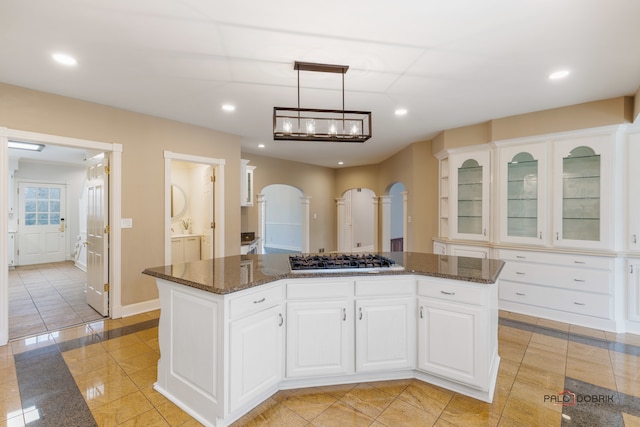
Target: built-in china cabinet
{"points": [[553, 207]]}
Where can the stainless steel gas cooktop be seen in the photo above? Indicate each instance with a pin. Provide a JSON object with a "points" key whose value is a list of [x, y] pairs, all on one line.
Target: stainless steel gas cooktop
{"points": [[335, 263]]}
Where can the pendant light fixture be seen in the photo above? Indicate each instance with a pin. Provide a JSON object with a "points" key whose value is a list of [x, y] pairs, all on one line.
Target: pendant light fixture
{"points": [[314, 124]]}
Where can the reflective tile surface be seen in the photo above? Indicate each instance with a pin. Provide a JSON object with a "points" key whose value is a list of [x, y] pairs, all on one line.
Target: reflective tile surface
{"points": [[102, 374], [47, 297]]}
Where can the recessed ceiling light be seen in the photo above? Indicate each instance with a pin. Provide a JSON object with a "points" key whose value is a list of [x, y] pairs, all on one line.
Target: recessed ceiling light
{"points": [[341, 163], [561, 74], [228, 107], [260, 145], [64, 59], [401, 111]]}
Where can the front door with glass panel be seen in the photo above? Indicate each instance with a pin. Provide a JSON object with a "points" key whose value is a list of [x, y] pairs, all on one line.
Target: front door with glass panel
{"points": [[41, 227]]}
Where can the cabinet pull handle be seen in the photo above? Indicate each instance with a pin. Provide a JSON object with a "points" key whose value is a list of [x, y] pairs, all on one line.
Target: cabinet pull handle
{"points": [[259, 301], [422, 312], [344, 314], [521, 257], [541, 234], [521, 273], [557, 236], [447, 293], [579, 262], [520, 294], [484, 232], [360, 311], [281, 319], [635, 239], [631, 268], [579, 303], [579, 280]]}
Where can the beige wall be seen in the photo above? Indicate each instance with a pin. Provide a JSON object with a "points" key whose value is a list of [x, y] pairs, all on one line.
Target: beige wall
{"points": [[315, 181], [582, 116], [636, 106], [144, 138]]}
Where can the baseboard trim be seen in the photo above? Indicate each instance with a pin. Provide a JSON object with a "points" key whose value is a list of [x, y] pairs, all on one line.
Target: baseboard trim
{"points": [[140, 307]]}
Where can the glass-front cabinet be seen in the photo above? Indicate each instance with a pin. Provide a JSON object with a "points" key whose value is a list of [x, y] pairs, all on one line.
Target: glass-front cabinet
{"points": [[523, 194], [582, 193], [469, 196]]}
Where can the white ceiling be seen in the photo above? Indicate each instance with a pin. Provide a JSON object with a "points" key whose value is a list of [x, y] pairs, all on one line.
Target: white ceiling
{"points": [[450, 63]]}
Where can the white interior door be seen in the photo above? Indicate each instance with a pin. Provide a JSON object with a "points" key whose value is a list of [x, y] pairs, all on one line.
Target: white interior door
{"points": [[97, 234], [41, 229]]}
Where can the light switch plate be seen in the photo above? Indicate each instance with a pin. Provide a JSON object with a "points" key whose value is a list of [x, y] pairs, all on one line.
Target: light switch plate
{"points": [[126, 223]]}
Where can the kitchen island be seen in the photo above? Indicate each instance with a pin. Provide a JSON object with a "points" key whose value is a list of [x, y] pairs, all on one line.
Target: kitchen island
{"points": [[235, 330]]}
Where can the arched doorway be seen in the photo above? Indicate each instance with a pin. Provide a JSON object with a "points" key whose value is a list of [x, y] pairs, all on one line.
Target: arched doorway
{"points": [[357, 220], [283, 219]]}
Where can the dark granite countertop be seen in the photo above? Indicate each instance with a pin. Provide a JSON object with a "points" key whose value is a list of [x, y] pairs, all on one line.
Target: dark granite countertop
{"points": [[236, 273]]}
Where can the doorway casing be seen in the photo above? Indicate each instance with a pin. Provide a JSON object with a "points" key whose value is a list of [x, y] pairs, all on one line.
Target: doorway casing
{"points": [[114, 151], [218, 214]]}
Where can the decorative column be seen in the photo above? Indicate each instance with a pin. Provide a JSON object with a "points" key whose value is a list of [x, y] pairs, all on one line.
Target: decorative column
{"points": [[405, 221], [262, 206], [386, 223], [305, 201], [341, 226], [376, 222]]}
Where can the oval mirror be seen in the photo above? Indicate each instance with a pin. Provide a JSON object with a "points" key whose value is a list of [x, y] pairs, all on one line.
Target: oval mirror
{"points": [[178, 201]]}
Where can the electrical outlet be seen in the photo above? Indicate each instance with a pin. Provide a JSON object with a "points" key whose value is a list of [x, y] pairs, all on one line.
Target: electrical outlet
{"points": [[321, 250]]}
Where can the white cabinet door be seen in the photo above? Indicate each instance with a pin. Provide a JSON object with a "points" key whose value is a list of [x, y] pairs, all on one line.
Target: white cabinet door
{"points": [[385, 334], [191, 248], [177, 251], [256, 355], [522, 175], [634, 290], [469, 202], [633, 179], [450, 341], [583, 192], [319, 338]]}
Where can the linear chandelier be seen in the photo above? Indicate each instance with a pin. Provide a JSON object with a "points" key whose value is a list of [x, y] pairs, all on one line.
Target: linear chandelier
{"points": [[314, 124]]}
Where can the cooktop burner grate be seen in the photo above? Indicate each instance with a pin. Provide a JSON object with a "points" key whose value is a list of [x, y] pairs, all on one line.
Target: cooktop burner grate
{"points": [[307, 263]]}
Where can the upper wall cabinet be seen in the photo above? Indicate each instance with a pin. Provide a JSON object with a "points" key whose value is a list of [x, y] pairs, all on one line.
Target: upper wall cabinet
{"points": [[633, 181], [522, 178], [246, 183], [583, 210], [470, 182]]}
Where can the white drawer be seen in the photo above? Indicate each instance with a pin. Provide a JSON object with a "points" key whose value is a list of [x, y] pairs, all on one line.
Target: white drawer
{"points": [[252, 302], [557, 259], [471, 294], [596, 305], [391, 287], [304, 290], [579, 279]]}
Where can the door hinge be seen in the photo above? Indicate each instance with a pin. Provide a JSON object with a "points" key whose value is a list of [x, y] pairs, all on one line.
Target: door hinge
{"points": [[213, 178], [106, 287], [107, 169], [107, 229]]}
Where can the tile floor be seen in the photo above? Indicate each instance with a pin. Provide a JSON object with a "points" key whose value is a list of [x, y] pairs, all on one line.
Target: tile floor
{"points": [[102, 374], [47, 297]]}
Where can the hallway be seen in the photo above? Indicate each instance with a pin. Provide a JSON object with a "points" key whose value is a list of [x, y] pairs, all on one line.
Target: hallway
{"points": [[47, 297]]}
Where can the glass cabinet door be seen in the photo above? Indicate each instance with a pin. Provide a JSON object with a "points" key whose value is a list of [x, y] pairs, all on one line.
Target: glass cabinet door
{"points": [[470, 198], [522, 177], [470, 185], [583, 193]]}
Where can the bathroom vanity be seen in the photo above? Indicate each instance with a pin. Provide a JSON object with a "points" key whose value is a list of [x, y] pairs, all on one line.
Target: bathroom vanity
{"points": [[229, 338]]}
